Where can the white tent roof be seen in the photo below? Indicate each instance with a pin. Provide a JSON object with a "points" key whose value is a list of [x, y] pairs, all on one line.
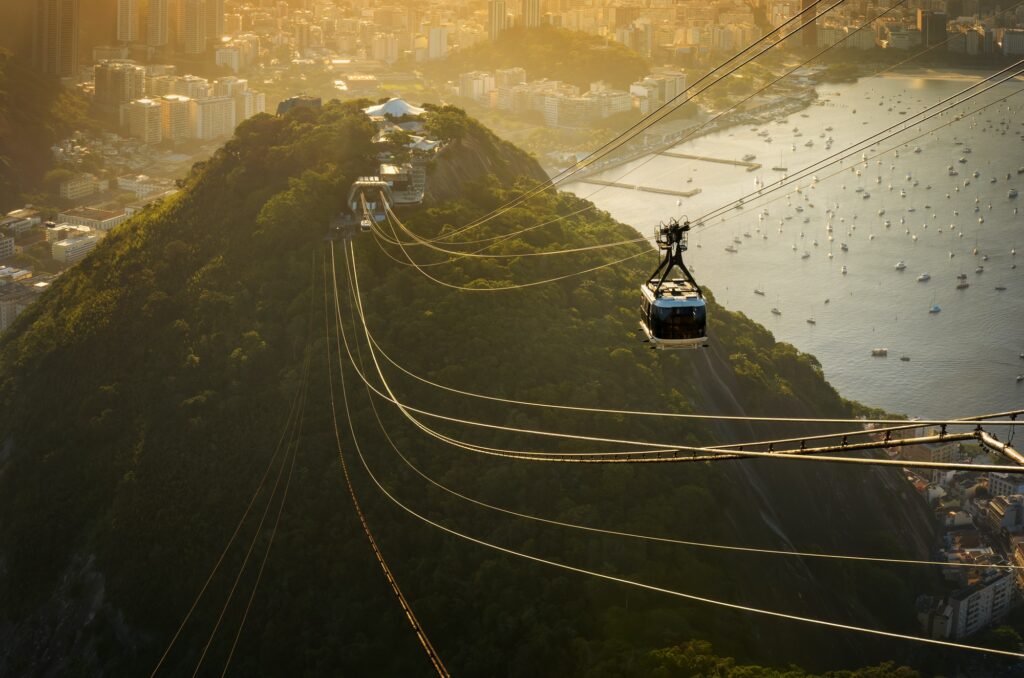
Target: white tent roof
{"points": [[394, 107]]}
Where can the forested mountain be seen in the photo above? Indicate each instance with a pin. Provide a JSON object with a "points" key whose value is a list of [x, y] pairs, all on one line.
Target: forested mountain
{"points": [[144, 394], [548, 52]]}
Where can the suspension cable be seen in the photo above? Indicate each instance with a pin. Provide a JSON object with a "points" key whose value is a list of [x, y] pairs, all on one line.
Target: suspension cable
{"points": [[887, 133], [641, 585], [657, 116], [421, 635], [288, 425], [630, 535], [872, 156], [702, 221], [515, 286], [690, 133], [681, 453]]}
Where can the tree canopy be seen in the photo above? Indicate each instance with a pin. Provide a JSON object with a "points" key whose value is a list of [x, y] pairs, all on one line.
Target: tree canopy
{"points": [[547, 52]]}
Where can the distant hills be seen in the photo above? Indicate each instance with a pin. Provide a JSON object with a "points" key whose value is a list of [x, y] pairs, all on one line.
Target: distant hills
{"points": [[141, 397], [546, 52]]}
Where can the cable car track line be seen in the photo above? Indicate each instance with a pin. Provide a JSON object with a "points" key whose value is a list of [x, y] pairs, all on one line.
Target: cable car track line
{"points": [[648, 587], [691, 452], [631, 535], [293, 410], [421, 635], [292, 448]]}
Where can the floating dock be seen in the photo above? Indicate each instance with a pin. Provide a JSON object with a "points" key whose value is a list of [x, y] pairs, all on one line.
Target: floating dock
{"points": [[751, 166], [637, 187]]}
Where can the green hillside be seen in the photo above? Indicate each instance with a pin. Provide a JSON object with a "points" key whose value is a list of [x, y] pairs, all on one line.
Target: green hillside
{"points": [[143, 396], [546, 52]]}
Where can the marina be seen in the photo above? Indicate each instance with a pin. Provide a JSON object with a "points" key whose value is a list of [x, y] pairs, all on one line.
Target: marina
{"points": [[873, 211]]}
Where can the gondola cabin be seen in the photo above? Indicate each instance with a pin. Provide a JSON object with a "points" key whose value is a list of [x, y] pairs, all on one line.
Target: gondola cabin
{"points": [[673, 313], [675, 316]]}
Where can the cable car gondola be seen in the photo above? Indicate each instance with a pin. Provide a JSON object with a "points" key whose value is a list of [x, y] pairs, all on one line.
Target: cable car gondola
{"points": [[673, 313]]}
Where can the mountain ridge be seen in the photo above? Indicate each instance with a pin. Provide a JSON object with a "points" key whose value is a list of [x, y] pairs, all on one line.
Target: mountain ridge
{"points": [[168, 358]]}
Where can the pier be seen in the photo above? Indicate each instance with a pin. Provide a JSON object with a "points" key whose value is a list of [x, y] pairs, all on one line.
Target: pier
{"points": [[637, 187], [751, 166]]}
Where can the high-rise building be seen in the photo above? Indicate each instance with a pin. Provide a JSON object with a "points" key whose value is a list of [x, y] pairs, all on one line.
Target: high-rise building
{"points": [[385, 47], [531, 14], [809, 33], [214, 20], [145, 120], [248, 104], [229, 86], [116, 83], [55, 38], [437, 43], [193, 26], [212, 117], [158, 23], [127, 20], [174, 117], [495, 18], [932, 26]]}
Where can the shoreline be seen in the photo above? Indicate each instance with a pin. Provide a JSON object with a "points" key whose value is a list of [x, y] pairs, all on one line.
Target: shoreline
{"points": [[784, 108]]}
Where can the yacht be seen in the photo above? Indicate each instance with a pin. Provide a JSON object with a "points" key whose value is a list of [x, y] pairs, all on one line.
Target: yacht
{"points": [[1012, 193], [843, 269], [924, 277], [776, 311], [900, 265]]}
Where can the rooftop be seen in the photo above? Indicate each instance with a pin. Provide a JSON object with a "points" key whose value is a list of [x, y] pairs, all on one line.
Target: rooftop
{"points": [[91, 213], [395, 108]]}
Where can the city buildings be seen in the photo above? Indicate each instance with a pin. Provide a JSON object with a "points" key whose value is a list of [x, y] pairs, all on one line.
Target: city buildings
{"points": [[158, 23], [55, 37], [93, 217], [192, 26], [212, 117], [116, 83], [71, 250], [127, 20], [145, 120], [496, 18], [175, 118], [80, 186]]}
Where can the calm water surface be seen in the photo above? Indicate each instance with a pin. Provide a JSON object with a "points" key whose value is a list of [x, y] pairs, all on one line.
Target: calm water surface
{"points": [[963, 360]]}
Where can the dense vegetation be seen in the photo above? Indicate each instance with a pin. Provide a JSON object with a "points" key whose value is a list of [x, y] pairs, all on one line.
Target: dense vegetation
{"points": [[547, 52], [143, 395], [35, 112]]}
